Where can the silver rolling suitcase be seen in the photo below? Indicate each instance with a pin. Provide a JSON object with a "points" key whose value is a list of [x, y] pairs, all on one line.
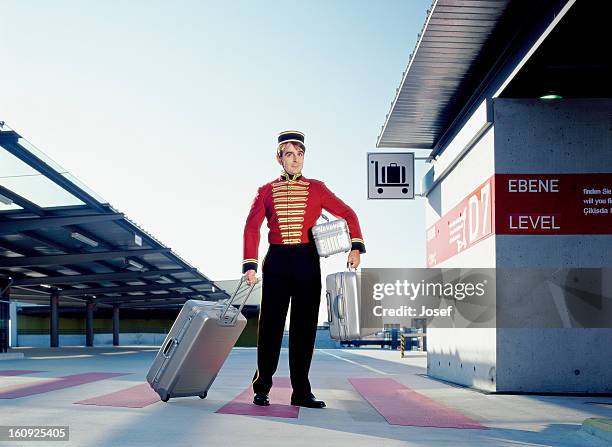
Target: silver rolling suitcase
{"points": [[342, 292], [196, 347]]}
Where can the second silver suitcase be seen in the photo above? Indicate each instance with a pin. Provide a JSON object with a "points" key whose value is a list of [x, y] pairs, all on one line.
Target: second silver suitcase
{"points": [[196, 347], [342, 291], [331, 237]]}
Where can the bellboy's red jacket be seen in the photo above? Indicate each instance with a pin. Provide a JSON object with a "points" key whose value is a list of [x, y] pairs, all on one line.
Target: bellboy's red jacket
{"points": [[292, 206]]}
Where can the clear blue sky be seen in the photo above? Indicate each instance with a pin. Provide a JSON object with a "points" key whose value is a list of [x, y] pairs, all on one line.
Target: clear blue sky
{"points": [[170, 110]]}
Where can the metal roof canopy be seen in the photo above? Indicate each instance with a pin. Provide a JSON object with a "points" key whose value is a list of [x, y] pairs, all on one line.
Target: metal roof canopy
{"points": [[464, 46], [84, 250]]}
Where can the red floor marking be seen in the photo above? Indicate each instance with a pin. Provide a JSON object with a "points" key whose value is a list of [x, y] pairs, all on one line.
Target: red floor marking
{"points": [[280, 392], [17, 372], [138, 396], [400, 405], [56, 383]]}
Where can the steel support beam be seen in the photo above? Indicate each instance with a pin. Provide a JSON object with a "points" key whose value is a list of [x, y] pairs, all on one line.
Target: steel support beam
{"points": [[21, 201], [33, 261], [128, 289], [115, 324], [10, 142], [89, 330], [97, 277], [155, 305], [29, 292], [12, 226], [54, 319], [138, 298], [5, 311]]}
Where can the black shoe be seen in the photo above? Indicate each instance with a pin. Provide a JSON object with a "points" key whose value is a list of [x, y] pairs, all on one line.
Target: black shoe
{"points": [[308, 401], [261, 399]]}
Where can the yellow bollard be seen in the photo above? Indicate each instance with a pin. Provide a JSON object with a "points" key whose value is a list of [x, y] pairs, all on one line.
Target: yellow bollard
{"points": [[402, 344]]}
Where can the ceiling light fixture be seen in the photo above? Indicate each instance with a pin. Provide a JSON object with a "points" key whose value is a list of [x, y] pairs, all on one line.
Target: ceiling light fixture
{"points": [[84, 239], [551, 95], [5, 200], [134, 264]]}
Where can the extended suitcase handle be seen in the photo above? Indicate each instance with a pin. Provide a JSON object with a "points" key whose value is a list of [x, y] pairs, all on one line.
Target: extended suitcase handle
{"points": [[222, 317], [339, 302]]}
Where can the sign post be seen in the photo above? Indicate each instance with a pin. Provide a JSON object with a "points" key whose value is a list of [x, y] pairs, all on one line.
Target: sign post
{"points": [[390, 175]]}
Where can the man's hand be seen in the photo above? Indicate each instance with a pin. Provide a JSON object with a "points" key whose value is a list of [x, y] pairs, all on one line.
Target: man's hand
{"points": [[251, 277], [354, 258]]}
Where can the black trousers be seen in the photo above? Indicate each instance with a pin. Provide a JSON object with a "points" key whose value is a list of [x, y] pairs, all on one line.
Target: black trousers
{"points": [[288, 272]]}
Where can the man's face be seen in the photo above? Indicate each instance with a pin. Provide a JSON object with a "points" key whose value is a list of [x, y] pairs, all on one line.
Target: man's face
{"points": [[292, 159]]}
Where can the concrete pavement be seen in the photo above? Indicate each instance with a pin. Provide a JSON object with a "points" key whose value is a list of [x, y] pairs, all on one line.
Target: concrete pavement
{"points": [[348, 420]]}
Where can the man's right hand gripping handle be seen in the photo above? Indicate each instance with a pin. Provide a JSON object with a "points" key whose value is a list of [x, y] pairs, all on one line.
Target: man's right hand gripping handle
{"points": [[251, 277]]}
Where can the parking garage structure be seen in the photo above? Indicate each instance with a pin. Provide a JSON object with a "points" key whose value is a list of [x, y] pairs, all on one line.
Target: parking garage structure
{"points": [[512, 100], [66, 252]]}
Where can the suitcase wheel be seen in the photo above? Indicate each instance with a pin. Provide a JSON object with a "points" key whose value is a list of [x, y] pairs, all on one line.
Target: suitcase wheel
{"points": [[203, 395], [164, 396]]}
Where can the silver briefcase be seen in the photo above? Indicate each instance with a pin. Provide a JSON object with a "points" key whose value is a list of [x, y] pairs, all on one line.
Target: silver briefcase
{"points": [[196, 347], [342, 292], [331, 237]]}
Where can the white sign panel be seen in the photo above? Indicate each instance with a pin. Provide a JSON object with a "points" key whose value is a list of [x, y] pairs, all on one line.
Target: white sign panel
{"points": [[390, 175]]}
